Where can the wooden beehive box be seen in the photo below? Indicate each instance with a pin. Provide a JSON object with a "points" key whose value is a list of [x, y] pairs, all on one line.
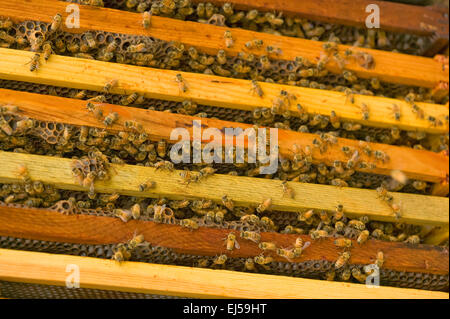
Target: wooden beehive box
{"points": [[320, 72]]}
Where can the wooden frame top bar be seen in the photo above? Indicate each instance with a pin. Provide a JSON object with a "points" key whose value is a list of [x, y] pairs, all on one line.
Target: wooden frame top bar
{"points": [[47, 225], [213, 90], [416, 209], [394, 16], [414, 163], [41, 268], [389, 67]]}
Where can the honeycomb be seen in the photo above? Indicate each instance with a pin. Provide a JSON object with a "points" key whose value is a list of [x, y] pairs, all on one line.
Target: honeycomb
{"points": [[275, 23], [20, 290]]}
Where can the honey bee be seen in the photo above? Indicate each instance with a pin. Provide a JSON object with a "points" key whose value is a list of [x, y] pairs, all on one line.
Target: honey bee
{"points": [[98, 113], [229, 42], [193, 53], [111, 118], [418, 111], [419, 185], [161, 148], [265, 62], [34, 62], [356, 273], [220, 71], [181, 83], [334, 120], [381, 156], [201, 10], [5, 127], [205, 60], [349, 96], [342, 260], [164, 165], [289, 229], [413, 239], [111, 47], [189, 223], [353, 160], [265, 205], [107, 198], [273, 50], [133, 125], [130, 99], [24, 125], [380, 259], [6, 37], [203, 263], [249, 264], [349, 76], [339, 182], [267, 222], [137, 240], [22, 172], [231, 242], [396, 112], [365, 111], [124, 215], [56, 23], [363, 237], [267, 246], [397, 210], [121, 253], [146, 21], [90, 40], [73, 47], [286, 253], [324, 217], [136, 211], [330, 275], [306, 216], [5, 24], [147, 185], [219, 217], [136, 48], [254, 44], [251, 235], [357, 224], [343, 243], [318, 234], [256, 88], [109, 85], [288, 191], [348, 126], [263, 261], [220, 260], [47, 50], [228, 203]]}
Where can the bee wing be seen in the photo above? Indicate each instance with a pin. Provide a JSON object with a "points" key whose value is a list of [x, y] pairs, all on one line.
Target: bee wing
{"points": [[236, 244], [306, 245]]}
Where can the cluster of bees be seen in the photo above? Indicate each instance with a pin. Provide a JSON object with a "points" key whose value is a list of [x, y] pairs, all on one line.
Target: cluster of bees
{"points": [[134, 147], [123, 251], [272, 23], [45, 39], [94, 149], [317, 224]]}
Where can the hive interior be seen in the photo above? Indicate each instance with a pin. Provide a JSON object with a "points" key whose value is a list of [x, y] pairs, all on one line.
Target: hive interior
{"points": [[48, 138]]}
